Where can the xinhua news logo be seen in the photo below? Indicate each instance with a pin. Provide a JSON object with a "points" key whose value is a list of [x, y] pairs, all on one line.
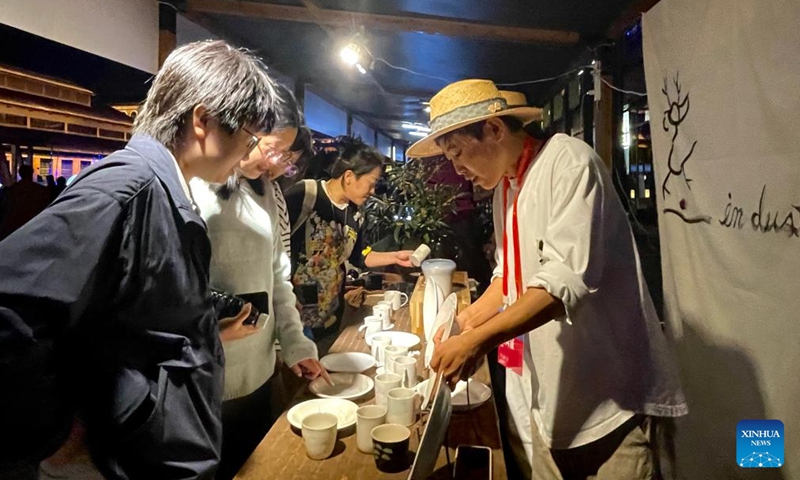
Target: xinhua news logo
{"points": [[759, 444]]}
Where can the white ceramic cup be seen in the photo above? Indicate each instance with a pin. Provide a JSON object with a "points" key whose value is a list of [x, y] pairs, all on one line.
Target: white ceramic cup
{"points": [[390, 352], [372, 324], [397, 298], [379, 343], [384, 310], [419, 255], [383, 383], [406, 367], [319, 435], [367, 418], [402, 408]]}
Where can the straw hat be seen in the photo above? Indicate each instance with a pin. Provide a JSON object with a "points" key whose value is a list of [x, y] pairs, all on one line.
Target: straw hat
{"points": [[514, 99], [463, 103]]}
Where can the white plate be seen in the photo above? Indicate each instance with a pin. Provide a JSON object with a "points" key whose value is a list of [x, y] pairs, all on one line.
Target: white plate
{"points": [[348, 362], [345, 385], [430, 307], [479, 393], [345, 411], [446, 315], [432, 435], [402, 339]]}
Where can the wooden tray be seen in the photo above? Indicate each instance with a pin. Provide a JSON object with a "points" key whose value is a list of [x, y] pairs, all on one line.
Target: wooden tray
{"points": [[460, 287]]}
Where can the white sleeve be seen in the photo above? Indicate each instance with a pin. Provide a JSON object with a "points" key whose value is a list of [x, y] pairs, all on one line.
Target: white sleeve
{"points": [[498, 217], [295, 346], [572, 248]]}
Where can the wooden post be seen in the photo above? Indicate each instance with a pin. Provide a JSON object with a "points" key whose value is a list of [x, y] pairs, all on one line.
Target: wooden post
{"points": [[604, 124], [167, 25], [588, 109]]}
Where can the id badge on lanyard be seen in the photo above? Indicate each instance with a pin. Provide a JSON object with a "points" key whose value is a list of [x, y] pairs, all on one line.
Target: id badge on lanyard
{"points": [[510, 353]]}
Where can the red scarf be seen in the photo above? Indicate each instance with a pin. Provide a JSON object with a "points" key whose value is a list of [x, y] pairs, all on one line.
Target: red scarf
{"points": [[524, 162]]}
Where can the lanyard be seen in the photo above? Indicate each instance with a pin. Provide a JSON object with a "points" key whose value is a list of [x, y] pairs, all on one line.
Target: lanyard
{"points": [[522, 166]]}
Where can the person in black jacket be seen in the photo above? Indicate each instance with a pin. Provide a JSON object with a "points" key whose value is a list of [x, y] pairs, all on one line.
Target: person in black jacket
{"points": [[105, 312]]}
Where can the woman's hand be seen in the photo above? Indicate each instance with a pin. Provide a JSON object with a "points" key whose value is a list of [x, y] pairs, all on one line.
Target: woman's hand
{"points": [[403, 258], [310, 368], [233, 328]]}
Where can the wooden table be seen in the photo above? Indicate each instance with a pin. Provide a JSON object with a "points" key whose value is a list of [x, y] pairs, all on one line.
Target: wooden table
{"points": [[281, 454]]}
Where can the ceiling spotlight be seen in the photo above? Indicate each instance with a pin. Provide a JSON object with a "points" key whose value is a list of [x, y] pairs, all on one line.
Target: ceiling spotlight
{"points": [[580, 73], [351, 54], [594, 62], [418, 134], [418, 127], [428, 109]]}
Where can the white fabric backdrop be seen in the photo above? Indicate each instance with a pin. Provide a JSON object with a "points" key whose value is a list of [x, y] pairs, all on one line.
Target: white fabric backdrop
{"points": [[731, 278], [122, 30]]}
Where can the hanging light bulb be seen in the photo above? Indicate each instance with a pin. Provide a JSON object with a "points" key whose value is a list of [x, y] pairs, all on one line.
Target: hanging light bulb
{"points": [[351, 54]]}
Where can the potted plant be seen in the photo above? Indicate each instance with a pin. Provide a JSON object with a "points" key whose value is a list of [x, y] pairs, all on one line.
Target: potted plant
{"points": [[411, 209]]}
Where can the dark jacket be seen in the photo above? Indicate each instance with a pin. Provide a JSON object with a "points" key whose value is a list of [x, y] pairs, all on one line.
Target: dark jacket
{"points": [[104, 310]]}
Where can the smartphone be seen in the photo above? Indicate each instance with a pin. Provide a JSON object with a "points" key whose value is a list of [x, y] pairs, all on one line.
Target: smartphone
{"points": [[260, 308], [473, 462]]}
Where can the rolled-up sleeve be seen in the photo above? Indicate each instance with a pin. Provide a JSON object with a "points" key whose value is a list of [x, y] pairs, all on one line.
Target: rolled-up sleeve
{"points": [[571, 250]]}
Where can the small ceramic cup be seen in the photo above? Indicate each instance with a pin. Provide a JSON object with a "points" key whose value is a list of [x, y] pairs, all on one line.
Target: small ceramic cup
{"points": [[402, 407], [390, 443], [406, 367], [367, 418], [383, 383], [397, 298], [372, 324], [319, 435], [390, 353], [379, 343], [384, 310], [419, 255]]}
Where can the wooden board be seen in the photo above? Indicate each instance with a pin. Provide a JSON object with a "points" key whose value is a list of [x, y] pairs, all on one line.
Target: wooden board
{"points": [[460, 287]]}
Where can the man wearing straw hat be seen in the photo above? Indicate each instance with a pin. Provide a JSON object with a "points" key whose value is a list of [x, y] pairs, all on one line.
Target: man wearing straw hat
{"points": [[601, 373]]}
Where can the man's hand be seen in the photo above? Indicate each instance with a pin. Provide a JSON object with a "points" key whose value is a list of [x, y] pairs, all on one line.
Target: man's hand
{"points": [[403, 258], [458, 356], [233, 328], [463, 327], [310, 368]]}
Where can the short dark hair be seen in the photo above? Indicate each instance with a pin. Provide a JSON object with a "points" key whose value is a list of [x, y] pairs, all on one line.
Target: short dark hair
{"points": [[356, 156], [232, 84], [287, 115], [303, 142], [26, 172], [475, 130]]}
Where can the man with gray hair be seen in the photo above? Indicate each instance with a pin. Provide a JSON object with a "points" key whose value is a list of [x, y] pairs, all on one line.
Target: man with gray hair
{"points": [[106, 323]]}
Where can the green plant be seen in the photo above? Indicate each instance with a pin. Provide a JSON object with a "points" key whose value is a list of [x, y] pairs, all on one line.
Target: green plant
{"points": [[413, 209]]}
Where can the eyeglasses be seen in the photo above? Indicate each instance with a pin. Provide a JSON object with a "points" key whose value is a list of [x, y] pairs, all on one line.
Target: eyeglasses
{"points": [[252, 143], [278, 158]]}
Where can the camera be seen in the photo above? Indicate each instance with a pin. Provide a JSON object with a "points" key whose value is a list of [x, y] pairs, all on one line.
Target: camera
{"points": [[227, 305]]}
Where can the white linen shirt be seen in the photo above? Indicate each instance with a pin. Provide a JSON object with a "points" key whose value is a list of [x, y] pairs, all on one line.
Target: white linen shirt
{"points": [[610, 359], [248, 256]]}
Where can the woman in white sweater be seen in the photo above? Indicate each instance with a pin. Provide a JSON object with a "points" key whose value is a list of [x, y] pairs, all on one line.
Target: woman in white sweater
{"points": [[249, 259]]}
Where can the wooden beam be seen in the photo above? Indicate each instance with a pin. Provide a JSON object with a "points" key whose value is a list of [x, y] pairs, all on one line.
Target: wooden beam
{"points": [[390, 23], [207, 23]]}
